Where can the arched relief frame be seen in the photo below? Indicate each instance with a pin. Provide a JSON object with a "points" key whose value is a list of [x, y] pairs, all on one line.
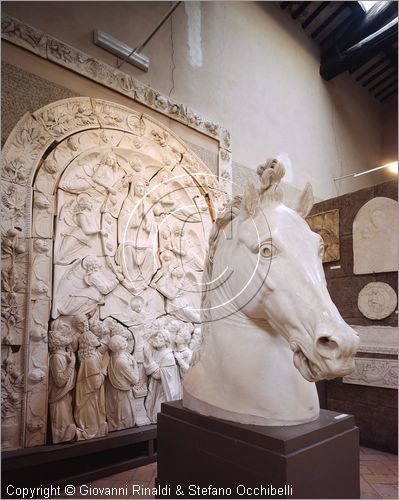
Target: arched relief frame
{"points": [[44, 45], [36, 154]]}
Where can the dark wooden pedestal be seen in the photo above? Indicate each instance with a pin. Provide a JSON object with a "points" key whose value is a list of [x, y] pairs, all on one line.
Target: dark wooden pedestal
{"points": [[319, 459], [80, 462]]}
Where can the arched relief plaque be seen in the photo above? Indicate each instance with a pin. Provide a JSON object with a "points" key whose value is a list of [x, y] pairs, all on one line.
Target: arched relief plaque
{"points": [[375, 237], [106, 215]]}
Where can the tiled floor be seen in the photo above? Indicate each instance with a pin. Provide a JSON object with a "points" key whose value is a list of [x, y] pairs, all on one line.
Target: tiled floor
{"points": [[378, 479], [378, 474]]}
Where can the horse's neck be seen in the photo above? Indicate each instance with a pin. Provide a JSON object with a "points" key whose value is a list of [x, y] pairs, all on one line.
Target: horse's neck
{"points": [[248, 369], [236, 336]]}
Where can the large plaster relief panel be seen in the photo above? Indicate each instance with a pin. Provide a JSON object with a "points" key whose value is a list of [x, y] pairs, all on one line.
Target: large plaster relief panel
{"points": [[375, 237], [115, 186]]}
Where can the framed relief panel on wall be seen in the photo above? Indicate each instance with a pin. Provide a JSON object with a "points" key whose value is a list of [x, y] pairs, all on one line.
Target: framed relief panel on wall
{"points": [[326, 224]]}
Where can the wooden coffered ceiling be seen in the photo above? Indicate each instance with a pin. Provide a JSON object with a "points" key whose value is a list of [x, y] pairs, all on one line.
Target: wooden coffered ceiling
{"points": [[364, 44]]}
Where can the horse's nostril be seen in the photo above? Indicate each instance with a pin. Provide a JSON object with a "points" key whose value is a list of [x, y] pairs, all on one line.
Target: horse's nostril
{"points": [[327, 343]]}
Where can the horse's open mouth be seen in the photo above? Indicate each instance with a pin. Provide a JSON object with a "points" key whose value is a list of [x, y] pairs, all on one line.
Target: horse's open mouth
{"points": [[305, 366]]}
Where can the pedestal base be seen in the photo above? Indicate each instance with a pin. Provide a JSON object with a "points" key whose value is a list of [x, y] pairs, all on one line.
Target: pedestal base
{"points": [[319, 459]]}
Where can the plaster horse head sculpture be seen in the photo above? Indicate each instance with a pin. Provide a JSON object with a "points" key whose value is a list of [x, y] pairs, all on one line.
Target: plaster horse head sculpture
{"points": [[270, 327]]}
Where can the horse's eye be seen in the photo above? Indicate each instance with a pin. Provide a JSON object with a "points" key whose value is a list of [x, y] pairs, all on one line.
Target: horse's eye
{"points": [[321, 249], [268, 250]]}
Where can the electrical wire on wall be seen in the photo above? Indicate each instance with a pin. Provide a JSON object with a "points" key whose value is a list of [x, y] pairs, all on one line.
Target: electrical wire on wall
{"points": [[172, 57]]}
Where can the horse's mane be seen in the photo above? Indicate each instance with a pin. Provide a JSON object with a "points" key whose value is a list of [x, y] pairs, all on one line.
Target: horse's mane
{"points": [[229, 214], [270, 175]]}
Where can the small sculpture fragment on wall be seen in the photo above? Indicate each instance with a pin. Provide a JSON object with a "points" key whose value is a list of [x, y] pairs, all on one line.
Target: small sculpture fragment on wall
{"points": [[326, 224]]}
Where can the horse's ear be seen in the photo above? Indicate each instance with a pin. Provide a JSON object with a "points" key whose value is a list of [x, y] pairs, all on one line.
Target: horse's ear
{"points": [[305, 202], [250, 201]]}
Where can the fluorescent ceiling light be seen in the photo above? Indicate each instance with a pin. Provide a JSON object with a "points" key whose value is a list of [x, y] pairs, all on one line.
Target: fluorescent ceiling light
{"points": [[392, 167], [367, 5]]}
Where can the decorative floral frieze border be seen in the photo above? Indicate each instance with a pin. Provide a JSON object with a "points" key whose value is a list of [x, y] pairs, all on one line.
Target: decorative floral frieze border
{"points": [[50, 48], [377, 339], [374, 372]]}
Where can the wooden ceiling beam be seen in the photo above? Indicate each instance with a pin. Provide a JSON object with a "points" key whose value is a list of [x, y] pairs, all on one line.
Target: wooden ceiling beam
{"points": [[376, 75], [385, 97], [372, 21], [314, 14], [329, 20], [360, 53], [296, 13], [382, 82], [371, 68], [392, 54], [341, 26], [387, 87]]}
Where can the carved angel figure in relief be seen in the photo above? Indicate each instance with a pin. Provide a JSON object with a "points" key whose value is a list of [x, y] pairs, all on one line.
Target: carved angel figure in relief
{"points": [[123, 374], [80, 228], [137, 231], [110, 176], [84, 286], [163, 195], [61, 382], [95, 277], [184, 245], [90, 413], [160, 366], [169, 278], [104, 180]]}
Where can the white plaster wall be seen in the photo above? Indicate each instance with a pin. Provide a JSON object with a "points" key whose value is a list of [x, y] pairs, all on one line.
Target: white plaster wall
{"points": [[247, 66], [390, 131]]}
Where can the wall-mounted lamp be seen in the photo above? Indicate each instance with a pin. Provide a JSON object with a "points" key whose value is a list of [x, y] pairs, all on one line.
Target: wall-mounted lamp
{"points": [[393, 167], [129, 54]]}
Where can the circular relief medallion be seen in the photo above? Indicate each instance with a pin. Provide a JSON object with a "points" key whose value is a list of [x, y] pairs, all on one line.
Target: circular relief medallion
{"points": [[377, 300]]}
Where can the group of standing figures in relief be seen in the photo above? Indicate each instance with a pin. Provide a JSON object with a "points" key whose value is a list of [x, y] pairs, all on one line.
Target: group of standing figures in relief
{"points": [[126, 293], [103, 377]]}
